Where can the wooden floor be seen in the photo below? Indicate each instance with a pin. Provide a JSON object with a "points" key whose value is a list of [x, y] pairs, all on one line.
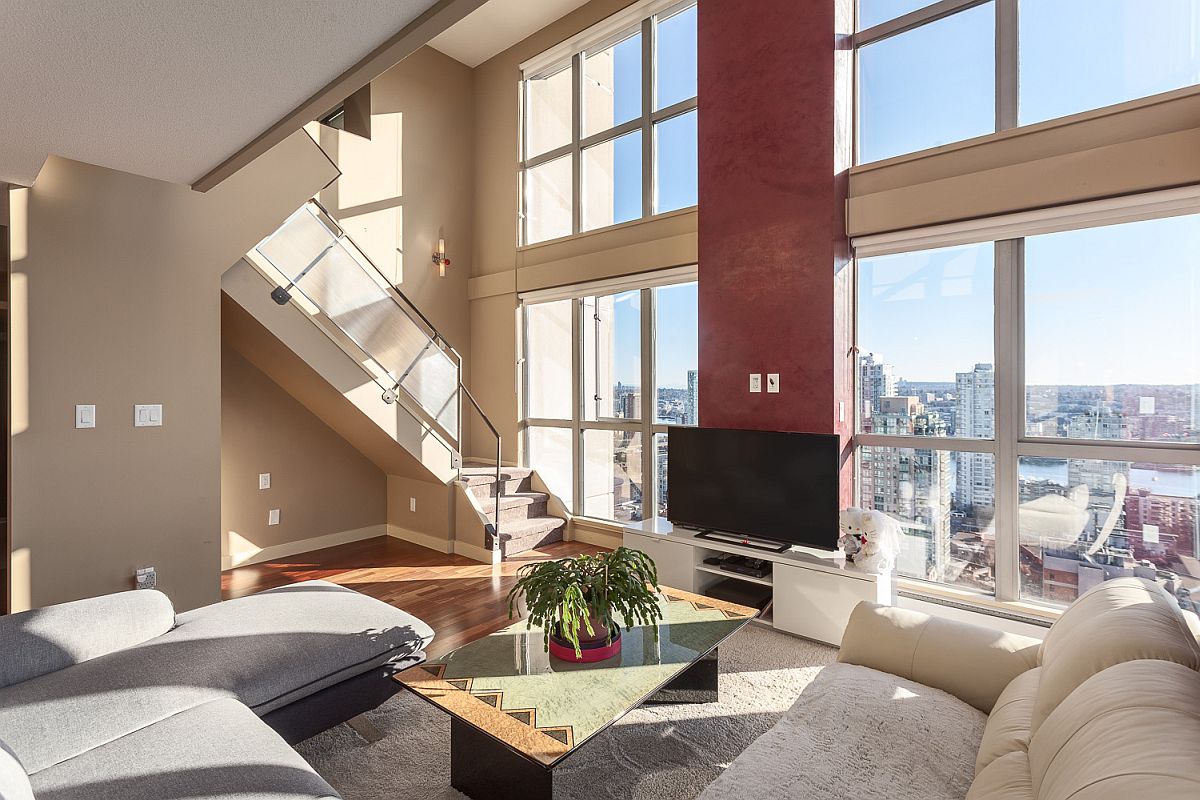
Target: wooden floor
{"points": [[460, 599]]}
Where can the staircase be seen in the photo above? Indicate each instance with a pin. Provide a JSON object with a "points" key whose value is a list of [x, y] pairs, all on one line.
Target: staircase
{"points": [[524, 521]]}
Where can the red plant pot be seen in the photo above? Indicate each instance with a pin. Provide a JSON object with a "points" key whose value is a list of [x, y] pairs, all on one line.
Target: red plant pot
{"points": [[597, 649]]}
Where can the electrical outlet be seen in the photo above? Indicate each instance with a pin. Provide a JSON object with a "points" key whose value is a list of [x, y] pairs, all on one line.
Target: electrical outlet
{"points": [[772, 383], [264, 480], [273, 516], [412, 504], [755, 382], [145, 578]]}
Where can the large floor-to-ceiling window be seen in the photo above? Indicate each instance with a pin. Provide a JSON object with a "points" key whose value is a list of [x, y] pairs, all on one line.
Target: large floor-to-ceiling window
{"points": [[1029, 406], [609, 123], [934, 73], [606, 369]]}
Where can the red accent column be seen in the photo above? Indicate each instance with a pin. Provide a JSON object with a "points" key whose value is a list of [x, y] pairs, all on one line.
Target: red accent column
{"points": [[774, 144]]}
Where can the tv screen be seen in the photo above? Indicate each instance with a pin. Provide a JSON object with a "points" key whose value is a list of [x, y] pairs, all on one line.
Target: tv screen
{"points": [[760, 484]]}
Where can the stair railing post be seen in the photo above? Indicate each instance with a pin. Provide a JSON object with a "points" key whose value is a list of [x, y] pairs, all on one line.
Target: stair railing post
{"points": [[499, 495]]}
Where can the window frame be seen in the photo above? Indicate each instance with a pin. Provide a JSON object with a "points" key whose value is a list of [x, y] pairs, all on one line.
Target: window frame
{"points": [[640, 18], [578, 424], [1011, 441]]}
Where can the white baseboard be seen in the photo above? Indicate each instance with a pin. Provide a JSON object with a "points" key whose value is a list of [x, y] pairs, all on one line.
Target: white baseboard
{"points": [[302, 546], [477, 553], [598, 538], [423, 539]]}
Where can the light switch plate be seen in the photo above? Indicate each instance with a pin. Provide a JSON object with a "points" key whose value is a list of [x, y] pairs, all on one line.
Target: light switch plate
{"points": [[273, 516], [264, 480], [147, 416], [85, 416], [755, 382], [772, 383]]}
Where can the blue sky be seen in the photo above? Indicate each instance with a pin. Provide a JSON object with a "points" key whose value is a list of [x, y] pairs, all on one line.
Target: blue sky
{"points": [[675, 340]]}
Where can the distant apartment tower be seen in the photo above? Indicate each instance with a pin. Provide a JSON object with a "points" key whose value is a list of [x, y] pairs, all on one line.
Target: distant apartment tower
{"points": [[975, 418], [875, 380], [693, 398], [1097, 475]]}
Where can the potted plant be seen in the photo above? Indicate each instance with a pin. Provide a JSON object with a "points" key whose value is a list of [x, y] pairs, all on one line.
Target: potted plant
{"points": [[576, 601]]}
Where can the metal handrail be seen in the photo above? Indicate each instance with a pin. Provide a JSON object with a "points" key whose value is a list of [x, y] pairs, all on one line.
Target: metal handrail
{"points": [[281, 295]]}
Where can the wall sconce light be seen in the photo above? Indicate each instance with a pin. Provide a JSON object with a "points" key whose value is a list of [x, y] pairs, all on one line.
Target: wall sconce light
{"points": [[439, 258]]}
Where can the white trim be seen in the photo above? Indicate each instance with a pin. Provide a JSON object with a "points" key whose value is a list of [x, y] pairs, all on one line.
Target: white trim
{"points": [[1109, 450], [627, 18], [303, 546], [643, 280], [1095, 213], [594, 536], [954, 445], [423, 539], [476, 553]]}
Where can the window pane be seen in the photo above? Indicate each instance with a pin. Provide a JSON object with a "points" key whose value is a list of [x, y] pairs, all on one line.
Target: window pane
{"points": [[675, 163], [549, 452], [548, 200], [1077, 55], [612, 181], [1087, 521], [676, 58], [1112, 332], [945, 502], [925, 330], [660, 470], [612, 356], [548, 360], [929, 86], [676, 355], [873, 12], [612, 475], [548, 116], [612, 85]]}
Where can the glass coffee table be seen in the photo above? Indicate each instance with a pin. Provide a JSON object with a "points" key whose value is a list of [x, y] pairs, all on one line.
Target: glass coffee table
{"points": [[516, 712]]}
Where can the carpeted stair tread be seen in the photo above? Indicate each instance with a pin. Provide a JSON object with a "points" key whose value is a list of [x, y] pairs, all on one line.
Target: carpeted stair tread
{"points": [[514, 500], [520, 529]]}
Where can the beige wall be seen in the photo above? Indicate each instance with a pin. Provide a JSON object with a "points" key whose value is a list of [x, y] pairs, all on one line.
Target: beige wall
{"points": [[1135, 147], [120, 277], [321, 485]]}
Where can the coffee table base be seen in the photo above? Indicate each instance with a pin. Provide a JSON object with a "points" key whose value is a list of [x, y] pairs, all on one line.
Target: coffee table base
{"points": [[481, 768], [484, 769]]}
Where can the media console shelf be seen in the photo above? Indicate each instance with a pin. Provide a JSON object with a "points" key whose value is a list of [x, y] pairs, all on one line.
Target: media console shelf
{"points": [[813, 591]]}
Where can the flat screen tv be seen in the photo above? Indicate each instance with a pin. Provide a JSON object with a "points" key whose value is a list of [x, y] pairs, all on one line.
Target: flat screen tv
{"points": [[781, 487]]}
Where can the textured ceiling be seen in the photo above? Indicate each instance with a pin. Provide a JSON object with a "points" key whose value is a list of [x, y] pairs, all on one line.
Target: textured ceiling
{"points": [[170, 88], [498, 25]]}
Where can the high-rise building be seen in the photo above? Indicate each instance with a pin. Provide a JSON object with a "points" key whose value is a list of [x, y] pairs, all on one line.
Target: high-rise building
{"points": [[975, 418], [690, 416], [875, 380]]}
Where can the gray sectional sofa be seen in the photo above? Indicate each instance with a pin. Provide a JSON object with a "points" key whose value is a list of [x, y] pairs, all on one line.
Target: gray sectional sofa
{"points": [[120, 697]]}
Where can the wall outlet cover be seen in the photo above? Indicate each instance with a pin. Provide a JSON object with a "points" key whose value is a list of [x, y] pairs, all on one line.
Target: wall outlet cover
{"points": [[755, 382], [264, 480], [412, 504], [773, 383], [273, 516], [145, 578], [85, 416]]}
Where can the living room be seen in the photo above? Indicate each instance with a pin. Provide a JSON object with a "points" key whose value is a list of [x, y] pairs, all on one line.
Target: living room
{"points": [[550, 376]]}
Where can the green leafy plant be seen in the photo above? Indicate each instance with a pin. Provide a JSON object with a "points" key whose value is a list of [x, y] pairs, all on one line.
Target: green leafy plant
{"points": [[562, 596]]}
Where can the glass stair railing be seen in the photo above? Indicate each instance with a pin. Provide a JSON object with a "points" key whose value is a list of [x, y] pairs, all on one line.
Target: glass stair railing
{"points": [[399, 348]]}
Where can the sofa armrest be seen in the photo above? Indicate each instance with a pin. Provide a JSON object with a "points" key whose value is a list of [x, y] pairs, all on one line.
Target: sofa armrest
{"points": [[45, 640], [971, 662]]}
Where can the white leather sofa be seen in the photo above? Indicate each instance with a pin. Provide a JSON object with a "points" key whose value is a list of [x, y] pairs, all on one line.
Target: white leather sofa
{"points": [[1106, 708]]}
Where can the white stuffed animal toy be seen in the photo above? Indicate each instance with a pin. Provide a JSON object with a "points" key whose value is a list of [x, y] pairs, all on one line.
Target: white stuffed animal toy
{"points": [[871, 539]]}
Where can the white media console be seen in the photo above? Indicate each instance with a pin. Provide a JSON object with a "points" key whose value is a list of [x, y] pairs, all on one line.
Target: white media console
{"points": [[813, 591]]}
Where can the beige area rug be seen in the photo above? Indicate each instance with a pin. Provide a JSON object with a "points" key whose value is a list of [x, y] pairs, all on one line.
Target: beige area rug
{"points": [[667, 752]]}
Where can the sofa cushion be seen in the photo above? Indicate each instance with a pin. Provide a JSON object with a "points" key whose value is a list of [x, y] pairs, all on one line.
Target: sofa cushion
{"points": [[856, 732], [1116, 621], [55, 637], [1007, 728], [1005, 778], [275, 647], [215, 750], [1129, 731], [14, 783]]}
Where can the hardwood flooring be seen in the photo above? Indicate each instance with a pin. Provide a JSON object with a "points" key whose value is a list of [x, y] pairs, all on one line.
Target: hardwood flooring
{"points": [[460, 599]]}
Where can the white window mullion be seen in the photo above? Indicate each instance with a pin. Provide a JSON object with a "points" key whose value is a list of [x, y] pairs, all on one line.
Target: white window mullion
{"points": [[577, 406], [649, 84], [576, 135], [1007, 64], [1009, 399], [649, 408]]}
